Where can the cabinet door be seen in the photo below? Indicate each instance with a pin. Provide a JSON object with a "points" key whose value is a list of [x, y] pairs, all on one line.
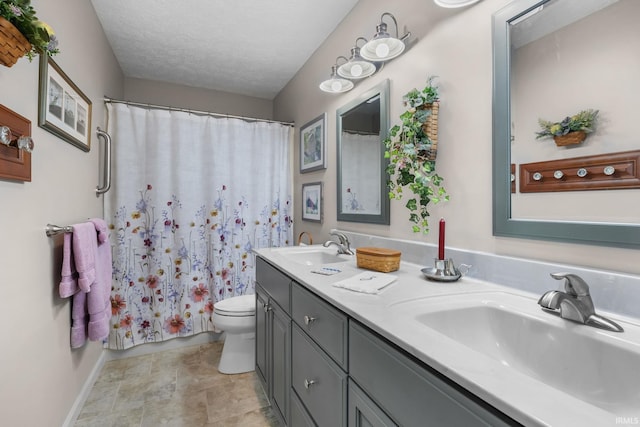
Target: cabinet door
{"points": [[318, 381], [262, 338], [281, 361], [363, 412]]}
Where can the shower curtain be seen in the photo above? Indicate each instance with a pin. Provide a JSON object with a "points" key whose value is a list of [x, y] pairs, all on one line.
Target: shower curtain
{"points": [[191, 196]]}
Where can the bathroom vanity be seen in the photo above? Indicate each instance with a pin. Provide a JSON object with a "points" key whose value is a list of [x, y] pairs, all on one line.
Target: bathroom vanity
{"points": [[332, 357]]}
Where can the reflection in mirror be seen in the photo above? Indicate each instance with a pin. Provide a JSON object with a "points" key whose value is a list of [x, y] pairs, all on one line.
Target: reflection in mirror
{"points": [[553, 59], [362, 125], [565, 59]]}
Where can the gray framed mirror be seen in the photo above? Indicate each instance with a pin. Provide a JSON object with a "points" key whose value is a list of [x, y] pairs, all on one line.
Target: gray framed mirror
{"points": [[600, 217], [362, 125]]}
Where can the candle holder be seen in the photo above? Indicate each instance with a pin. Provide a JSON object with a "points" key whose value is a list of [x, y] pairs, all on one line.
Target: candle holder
{"points": [[445, 271]]}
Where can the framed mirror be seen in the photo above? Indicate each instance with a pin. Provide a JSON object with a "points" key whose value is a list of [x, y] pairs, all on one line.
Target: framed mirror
{"points": [[362, 125], [552, 59]]}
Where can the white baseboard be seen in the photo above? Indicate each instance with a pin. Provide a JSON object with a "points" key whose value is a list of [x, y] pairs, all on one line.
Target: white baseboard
{"points": [[75, 410]]}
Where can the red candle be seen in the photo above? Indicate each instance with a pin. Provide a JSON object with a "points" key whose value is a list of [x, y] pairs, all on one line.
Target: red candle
{"points": [[441, 240]]}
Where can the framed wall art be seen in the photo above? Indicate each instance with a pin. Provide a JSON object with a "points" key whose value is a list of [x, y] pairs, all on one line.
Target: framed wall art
{"points": [[63, 109], [313, 145], [312, 202]]}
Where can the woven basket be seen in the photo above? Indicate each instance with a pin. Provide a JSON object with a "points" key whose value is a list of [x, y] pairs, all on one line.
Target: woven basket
{"points": [[571, 138], [430, 127], [378, 259], [13, 45]]}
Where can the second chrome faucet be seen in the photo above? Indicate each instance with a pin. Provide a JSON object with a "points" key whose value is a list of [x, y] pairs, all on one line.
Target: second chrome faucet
{"points": [[575, 303]]}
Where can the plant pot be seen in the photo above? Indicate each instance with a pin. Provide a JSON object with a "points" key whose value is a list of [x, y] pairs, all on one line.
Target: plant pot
{"points": [[571, 138], [430, 128], [13, 45]]}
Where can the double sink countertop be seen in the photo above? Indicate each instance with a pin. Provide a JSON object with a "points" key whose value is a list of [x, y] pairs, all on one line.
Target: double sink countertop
{"points": [[492, 340]]}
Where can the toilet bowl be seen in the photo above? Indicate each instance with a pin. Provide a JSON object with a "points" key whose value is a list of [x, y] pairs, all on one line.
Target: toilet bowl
{"points": [[236, 316]]}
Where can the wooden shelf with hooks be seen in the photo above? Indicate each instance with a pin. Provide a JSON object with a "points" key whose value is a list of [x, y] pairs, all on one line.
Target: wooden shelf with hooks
{"points": [[15, 164]]}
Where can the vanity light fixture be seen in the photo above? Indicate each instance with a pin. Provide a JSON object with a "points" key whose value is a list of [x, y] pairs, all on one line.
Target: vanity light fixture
{"points": [[336, 84], [357, 67], [455, 3], [383, 47]]}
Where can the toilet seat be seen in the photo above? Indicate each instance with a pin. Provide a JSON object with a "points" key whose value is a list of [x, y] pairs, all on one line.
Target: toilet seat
{"points": [[241, 306]]}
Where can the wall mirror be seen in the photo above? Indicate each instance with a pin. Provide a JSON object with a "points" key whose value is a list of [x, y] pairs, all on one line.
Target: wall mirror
{"points": [[362, 125], [552, 59]]}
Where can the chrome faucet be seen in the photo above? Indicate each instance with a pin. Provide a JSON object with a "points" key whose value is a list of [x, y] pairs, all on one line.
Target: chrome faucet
{"points": [[344, 246], [575, 303]]}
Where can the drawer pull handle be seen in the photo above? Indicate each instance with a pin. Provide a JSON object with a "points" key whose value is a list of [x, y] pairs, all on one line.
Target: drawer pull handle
{"points": [[308, 383], [267, 307], [308, 320]]}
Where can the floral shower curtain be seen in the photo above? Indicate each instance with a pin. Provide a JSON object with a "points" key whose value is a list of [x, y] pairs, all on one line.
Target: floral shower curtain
{"points": [[192, 195]]}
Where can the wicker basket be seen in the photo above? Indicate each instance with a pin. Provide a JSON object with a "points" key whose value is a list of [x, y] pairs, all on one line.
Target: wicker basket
{"points": [[378, 259], [571, 138], [430, 127], [13, 45]]}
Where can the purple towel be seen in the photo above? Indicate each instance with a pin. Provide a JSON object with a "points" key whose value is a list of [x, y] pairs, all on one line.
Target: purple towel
{"points": [[85, 247], [69, 278], [91, 309]]}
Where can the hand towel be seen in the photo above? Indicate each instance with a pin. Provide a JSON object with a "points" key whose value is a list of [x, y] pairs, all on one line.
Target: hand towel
{"points": [[369, 282], [69, 277], [99, 299], [85, 246]]}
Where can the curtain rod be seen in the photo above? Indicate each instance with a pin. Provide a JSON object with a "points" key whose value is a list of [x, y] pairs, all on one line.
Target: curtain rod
{"points": [[198, 112]]}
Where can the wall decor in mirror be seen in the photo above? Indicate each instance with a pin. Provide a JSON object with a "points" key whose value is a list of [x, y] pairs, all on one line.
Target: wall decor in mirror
{"points": [[554, 62], [362, 125]]}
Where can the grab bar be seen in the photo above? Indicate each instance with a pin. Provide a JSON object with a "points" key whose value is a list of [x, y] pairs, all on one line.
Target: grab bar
{"points": [[106, 166]]}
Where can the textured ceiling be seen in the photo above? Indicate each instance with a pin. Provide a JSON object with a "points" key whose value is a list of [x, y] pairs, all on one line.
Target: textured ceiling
{"points": [[249, 47]]}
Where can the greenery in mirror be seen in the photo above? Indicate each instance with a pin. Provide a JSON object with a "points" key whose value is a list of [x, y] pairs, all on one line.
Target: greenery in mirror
{"points": [[583, 121], [412, 162]]}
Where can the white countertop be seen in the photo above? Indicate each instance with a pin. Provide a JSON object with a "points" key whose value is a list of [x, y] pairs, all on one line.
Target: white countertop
{"points": [[525, 399]]}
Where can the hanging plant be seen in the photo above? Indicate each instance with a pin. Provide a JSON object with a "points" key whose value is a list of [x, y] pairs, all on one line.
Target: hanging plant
{"points": [[411, 150]]}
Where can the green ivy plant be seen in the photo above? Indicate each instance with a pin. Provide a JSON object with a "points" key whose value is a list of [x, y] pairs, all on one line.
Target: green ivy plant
{"points": [[408, 148], [23, 16]]}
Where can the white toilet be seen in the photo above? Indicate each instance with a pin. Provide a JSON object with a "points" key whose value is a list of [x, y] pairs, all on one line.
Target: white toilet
{"points": [[236, 316]]}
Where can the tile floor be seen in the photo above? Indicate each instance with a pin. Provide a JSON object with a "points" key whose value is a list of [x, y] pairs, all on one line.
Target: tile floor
{"points": [[177, 388]]}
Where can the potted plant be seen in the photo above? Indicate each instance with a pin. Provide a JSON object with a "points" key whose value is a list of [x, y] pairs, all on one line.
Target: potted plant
{"points": [[22, 33], [571, 130], [411, 150]]}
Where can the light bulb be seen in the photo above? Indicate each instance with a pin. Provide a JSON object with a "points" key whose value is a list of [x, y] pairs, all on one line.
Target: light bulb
{"points": [[382, 50], [336, 85], [356, 70]]}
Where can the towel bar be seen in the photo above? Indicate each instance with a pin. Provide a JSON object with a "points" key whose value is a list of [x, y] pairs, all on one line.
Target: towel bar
{"points": [[52, 230]]}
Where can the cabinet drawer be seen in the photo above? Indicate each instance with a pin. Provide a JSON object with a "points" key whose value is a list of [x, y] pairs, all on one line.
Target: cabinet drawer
{"points": [[410, 393], [325, 324], [274, 282], [319, 383]]}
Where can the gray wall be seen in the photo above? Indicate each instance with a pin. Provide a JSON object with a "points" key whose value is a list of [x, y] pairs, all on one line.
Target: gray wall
{"points": [[41, 375], [456, 46]]}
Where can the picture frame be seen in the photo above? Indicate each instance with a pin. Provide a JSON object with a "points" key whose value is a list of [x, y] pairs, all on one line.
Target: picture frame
{"points": [[313, 145], [312, 202], [63, 109]]}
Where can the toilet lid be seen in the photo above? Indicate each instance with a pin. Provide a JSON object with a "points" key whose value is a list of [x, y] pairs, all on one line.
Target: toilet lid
{"points": [[237, 306]]}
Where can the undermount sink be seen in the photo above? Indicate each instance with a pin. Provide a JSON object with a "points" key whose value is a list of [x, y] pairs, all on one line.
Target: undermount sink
{"points": [[595, 366], [312, 255]]}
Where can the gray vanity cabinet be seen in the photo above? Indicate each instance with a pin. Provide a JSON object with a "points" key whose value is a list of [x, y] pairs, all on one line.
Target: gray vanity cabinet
{"points": [[364, 412], [273, 336], [409, 393]]}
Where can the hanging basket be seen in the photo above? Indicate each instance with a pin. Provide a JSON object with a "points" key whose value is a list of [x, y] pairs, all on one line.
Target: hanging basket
{"points": [[13, 45], [430, 128], [571, 138]]}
